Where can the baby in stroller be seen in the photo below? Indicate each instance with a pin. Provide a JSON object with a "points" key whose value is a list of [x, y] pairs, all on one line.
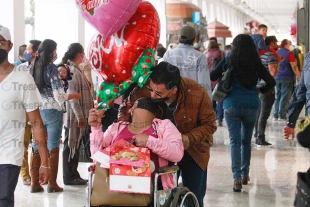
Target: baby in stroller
{"points": [[144, 130]]}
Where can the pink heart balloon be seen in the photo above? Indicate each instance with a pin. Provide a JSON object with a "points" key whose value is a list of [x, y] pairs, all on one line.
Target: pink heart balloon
{"points": [[107, 16]]}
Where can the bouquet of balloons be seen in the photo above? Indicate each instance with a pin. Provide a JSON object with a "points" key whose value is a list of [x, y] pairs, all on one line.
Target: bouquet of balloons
{"points": [[122, 53]]}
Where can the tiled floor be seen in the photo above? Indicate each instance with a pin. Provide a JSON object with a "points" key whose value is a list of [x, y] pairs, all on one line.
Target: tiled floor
{"points": [[273, 177]]}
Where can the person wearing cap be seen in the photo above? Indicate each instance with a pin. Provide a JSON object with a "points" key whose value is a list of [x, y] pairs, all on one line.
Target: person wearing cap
{"points": [[160, 136], [192, 63], [16, 103], [20, 58], [267, 99], [29, 56], [187, 105], [299, 99]]}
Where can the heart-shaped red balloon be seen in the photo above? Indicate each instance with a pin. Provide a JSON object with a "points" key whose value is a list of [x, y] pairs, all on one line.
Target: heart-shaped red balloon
{"points": [[113, 58], [107, 16]]}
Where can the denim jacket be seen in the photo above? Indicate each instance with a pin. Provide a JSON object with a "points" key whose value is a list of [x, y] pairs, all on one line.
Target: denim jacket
{"points": [[301, 95]]}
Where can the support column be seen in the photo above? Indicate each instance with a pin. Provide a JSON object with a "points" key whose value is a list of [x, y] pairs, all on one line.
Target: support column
{"points": [[12, 16], [81, 30]]}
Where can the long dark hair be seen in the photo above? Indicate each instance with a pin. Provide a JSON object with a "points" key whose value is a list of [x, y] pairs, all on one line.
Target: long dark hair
{"points": [[247, 65], [73, 50], [46, 50]]}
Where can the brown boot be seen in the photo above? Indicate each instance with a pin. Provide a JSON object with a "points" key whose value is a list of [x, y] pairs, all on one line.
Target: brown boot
{"points": [[35, 163], [53, 164]]}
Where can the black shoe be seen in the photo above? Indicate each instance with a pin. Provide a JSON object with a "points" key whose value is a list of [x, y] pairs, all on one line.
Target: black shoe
{"points": [[262, 143], [76, 181], [237, 185], [245, 180]]}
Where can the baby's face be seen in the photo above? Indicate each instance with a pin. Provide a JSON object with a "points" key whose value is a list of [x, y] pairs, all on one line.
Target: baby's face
{"points": [[63, 73]]}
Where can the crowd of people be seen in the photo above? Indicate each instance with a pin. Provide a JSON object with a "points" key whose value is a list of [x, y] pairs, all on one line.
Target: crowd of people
{"points": [[174, 108]]}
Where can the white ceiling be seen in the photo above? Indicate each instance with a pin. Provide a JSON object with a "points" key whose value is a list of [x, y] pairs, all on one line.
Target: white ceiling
{"points": [[275, 13]]}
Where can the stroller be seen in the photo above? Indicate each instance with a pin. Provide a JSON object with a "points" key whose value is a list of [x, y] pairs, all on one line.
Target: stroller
{"points": [[175, 197]]}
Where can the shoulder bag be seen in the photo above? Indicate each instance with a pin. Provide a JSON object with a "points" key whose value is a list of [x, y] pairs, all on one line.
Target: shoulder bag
{"points": [[223, 86]]}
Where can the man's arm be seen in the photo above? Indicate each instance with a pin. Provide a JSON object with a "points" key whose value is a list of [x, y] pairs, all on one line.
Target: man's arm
{"points": [[273, 69], [296, 70], [272, 64], [206, 119], [40, 137], [297, 102], [292, 61]]}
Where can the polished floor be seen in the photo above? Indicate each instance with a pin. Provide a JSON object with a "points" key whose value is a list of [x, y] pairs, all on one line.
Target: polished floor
{"points": [[273, 176]]}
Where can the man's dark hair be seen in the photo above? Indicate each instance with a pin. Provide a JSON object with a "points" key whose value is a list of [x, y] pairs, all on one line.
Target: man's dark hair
{"points": [[161, 51], [186, 41], [35, 45], [165, 73], [213, 38], [262, 26], [21, 50], [270, 39]]}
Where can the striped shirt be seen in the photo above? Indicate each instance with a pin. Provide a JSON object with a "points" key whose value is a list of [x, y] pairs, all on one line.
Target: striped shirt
{"points": [[268, 58]]}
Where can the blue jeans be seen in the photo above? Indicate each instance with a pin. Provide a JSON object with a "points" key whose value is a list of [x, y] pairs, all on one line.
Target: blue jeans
{"points": [[8, 181], [240, 124], [284, 89], [193, 177], [52, 120], [219, 111]]}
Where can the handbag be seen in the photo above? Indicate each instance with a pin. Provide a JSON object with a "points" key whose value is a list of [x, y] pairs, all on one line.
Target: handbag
{"points": [[85, 152], [302, 195], [223, 86], [102, 196]]}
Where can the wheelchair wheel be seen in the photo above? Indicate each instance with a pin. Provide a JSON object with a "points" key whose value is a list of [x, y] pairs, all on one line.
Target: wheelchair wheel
{"points": [[182, 197], [189, 200]]}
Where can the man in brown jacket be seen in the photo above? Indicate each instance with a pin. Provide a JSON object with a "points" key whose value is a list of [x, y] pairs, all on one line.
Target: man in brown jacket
{"points": [[187, 104]]}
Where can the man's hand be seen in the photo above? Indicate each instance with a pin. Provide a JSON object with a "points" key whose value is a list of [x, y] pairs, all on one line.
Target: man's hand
{"points": [[81, 123], [141, 139], [288, 131], [44, 174], [185, 140], [95, 116]]}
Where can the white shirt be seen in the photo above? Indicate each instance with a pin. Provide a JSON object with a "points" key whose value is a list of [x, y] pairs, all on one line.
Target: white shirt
{"points": [[18, 95]]}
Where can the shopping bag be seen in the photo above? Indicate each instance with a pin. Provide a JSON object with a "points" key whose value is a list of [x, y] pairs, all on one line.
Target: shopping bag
{"points": [[125, 175], [101, 195]]}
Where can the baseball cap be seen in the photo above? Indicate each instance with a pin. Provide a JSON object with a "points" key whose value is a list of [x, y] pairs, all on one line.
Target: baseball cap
{"points": [[188, 32], [5, 33]]}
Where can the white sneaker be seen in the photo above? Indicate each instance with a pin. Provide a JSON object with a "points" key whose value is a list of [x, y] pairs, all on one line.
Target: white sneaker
{"points": [[274, 119], [281, 119]]}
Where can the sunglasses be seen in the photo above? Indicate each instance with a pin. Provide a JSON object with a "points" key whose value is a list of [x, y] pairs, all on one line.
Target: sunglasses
{"points": [[157, 93]]}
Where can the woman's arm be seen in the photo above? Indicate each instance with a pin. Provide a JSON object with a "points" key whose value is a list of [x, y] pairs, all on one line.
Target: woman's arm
{"points": [[170, 145], [218, 71]]}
